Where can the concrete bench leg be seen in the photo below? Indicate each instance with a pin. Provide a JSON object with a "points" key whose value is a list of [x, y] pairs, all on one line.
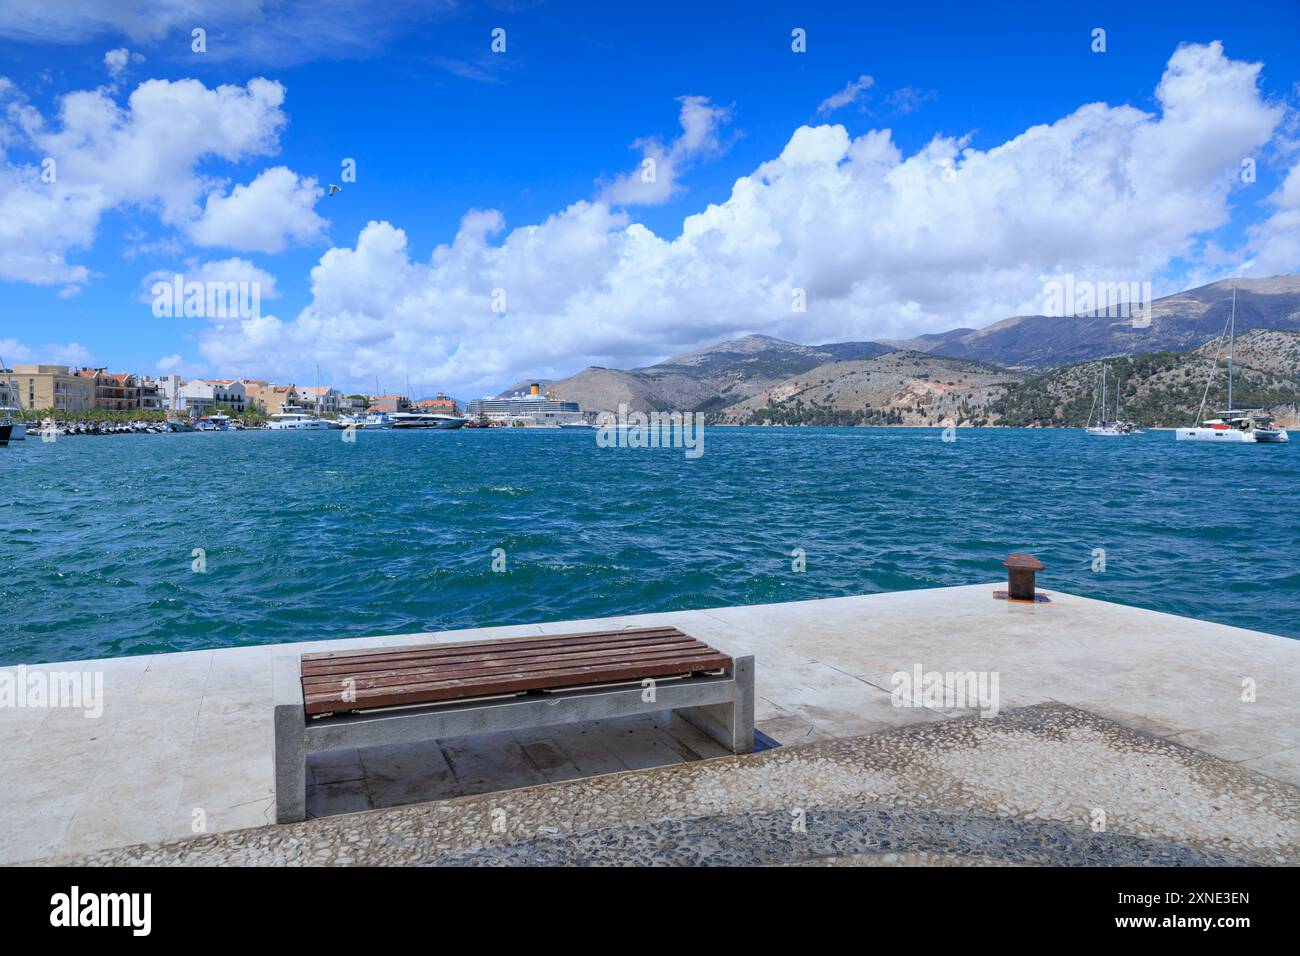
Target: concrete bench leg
{"points": [[731, 725], [290, 743]]}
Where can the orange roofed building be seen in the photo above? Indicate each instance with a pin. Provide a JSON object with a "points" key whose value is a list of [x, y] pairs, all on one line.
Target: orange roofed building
{"points": [[442, 404], [120, 391], [272, 398]]}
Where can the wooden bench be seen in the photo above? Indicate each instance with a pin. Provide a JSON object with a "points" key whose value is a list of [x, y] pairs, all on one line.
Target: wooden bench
{"points": [[386, 695]]}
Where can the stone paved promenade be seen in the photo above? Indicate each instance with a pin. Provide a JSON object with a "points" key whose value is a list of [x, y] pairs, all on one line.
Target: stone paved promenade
{"points": [[187, 737]]}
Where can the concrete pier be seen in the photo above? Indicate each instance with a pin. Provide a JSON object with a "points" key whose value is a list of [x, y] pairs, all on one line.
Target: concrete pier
{"points": [[183, 746]]}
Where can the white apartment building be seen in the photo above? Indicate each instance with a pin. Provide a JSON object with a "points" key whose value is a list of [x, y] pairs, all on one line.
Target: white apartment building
{"points": [[201, 395], [320, 399], [168, 387]]}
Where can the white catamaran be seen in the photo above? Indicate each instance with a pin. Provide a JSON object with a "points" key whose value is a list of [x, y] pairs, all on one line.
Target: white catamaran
{"points": [[1233, 425]]}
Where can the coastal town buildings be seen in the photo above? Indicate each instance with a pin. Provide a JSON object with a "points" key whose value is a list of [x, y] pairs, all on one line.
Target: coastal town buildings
{"points": [[271, 399], [203, 395], [64, 388], [150, 397], [53, 386], [389, 403], [320, 400], [122, 391], [353, 404], [168, 388], [441, 405]]}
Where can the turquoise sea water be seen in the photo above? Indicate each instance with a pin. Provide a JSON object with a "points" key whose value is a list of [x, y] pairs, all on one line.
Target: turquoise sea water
{"points": [[307, 536]]}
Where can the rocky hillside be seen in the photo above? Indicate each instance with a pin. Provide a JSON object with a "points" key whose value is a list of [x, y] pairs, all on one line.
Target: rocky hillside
{"points": [[1165, 387], [1178, 323], [707, 379], [899, 388]]}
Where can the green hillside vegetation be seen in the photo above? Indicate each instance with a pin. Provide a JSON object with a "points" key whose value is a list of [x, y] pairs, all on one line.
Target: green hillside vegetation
{"points": [[797, 412], [1155, 388]]}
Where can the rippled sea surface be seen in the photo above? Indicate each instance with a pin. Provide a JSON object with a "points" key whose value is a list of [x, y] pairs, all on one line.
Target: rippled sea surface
{"points": [[307, 536]]}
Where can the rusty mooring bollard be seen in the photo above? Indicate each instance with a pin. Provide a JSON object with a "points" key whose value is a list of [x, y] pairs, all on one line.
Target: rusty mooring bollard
{"points": [[1021, 569]]}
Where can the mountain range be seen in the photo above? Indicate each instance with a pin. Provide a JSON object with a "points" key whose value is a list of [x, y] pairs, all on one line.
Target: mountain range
{"points": [[1178, 323], [1009, 372]]}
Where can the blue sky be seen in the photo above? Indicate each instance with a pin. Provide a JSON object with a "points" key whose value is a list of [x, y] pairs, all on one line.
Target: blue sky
{"points": [[439, 126]]}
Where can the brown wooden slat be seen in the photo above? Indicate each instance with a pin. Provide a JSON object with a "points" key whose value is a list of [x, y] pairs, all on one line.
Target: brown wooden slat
{"points": [[558, 654], [470, 654], [435, 651], [496, 642], [433, 675], [493, 686]]}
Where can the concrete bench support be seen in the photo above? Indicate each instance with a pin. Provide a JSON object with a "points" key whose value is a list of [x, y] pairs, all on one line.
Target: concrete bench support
{"points": [[722, 707]]}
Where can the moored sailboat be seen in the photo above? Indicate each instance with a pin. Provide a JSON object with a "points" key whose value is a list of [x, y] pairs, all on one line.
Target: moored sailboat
{"points": [[10, 414], [1234, 426], [1105, 427]]}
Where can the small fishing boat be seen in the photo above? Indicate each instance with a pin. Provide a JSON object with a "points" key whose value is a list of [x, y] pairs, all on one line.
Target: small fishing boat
{"points": [[5, 431]]}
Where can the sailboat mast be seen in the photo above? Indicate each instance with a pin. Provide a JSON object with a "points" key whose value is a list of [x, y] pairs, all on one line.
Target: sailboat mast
{"points": [[11, 390], [1232, 334], [1103, 393]]}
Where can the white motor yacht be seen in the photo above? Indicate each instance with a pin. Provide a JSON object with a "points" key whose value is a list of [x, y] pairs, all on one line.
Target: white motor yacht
{"points": [[297, 421], [427, 420], [372, 422]]}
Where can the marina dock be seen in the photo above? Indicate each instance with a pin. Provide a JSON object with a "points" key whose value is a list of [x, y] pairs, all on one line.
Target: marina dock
{"points": [[1184, 734]]}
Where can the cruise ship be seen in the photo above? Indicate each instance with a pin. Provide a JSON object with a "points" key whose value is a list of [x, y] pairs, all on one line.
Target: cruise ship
{"points": [[529, 409]]}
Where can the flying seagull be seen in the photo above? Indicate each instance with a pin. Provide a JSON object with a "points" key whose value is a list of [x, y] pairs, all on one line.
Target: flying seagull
{"points": [[335, 189]]}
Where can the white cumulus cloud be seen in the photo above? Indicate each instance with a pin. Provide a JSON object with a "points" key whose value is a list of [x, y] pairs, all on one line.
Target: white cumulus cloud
{"points": [[1275, 242], [97, 155], [885, 245], [657, 179], [273, 211], [116, 62], [68, 353], [216, 271]]}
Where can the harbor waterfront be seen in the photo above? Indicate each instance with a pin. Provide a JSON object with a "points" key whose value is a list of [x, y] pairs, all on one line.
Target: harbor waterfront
{"points": [[157, 543]]}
